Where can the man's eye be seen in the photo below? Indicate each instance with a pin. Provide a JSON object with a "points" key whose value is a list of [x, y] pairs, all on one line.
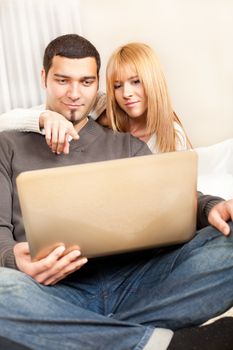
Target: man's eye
{"points": [[61, 81], [87, 82]]}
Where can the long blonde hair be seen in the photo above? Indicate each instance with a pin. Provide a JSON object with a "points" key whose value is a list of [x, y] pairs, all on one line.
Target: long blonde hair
{"points": [[160, 116]]}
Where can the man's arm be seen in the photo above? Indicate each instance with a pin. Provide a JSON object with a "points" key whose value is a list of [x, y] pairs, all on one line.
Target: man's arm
{"points": [[215, 211], [54, 267], [7, 240]]}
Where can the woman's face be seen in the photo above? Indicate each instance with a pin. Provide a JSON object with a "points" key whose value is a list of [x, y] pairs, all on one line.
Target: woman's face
{"points": [[130, 94]]}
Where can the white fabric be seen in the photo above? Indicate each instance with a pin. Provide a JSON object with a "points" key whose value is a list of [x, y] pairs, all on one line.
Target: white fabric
{"points": [[215, 169], [26, 27], [22, 119], [181, 141]]}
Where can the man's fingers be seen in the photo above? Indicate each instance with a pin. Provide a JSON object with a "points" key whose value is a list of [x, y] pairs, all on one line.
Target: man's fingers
{"points": [[217, 221], [223, 227], [58, 266], [220, 214], [72, 267], [42, 266]]}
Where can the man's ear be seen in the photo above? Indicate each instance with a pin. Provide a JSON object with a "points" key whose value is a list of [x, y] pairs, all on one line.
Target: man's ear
{"points": [[43, 78]]}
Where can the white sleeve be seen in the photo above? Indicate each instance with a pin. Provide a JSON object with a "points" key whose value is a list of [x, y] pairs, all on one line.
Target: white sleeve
{"points": [[22, 119], [28, 119], [99, 106]]}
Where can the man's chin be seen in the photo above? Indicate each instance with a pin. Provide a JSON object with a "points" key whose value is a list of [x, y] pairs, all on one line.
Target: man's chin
{"points": [[72, 115], [76, 117]]}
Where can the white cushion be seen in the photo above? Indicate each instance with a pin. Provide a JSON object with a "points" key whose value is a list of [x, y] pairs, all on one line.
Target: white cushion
{"points": [[215, 169]]}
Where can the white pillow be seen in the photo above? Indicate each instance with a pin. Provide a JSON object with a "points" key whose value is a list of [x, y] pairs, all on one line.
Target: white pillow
{"points": [[215, 169], [217, 184]]}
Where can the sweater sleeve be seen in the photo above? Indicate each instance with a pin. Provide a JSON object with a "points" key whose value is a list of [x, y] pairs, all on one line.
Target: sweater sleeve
{"points": [[205, 204], [99, 106], [7, 241], [22, 119]]}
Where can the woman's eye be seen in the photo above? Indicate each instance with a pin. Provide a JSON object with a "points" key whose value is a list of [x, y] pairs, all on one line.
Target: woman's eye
{"points": [[137, 81], [117, 86]]}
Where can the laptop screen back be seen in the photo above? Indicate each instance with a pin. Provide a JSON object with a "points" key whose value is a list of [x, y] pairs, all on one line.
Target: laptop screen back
{"points": [[110, 207]]}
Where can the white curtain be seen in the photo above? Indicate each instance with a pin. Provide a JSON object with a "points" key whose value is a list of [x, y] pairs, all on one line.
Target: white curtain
{"points": [[26, 27]]}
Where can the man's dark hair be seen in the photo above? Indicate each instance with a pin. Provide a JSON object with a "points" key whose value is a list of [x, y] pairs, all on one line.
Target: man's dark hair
{"points": [[70, 46]]}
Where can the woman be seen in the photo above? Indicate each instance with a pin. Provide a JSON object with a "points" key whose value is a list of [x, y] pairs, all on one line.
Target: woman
{"points": [[137, 101]]}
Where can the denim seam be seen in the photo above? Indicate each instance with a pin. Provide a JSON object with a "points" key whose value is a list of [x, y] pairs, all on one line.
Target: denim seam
{"points": [[145, 338]]}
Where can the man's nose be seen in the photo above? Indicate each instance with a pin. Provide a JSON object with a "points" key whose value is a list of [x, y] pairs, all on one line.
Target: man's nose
{"points": [[74, 91]]}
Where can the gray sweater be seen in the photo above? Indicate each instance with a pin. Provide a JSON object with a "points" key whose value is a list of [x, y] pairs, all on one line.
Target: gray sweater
{"points": [[28, 151]]}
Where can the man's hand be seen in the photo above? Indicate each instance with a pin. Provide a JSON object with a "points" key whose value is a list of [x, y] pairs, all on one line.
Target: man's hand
{"points": [[58, 130], [220, 214], [53, 268]]}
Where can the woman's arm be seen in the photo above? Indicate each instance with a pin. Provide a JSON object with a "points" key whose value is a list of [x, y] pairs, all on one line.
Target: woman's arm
{"points": [[22, 119], [56, 128]]}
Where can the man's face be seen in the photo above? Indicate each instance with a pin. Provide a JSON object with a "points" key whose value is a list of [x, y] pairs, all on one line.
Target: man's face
{"points": [[71, 86]]}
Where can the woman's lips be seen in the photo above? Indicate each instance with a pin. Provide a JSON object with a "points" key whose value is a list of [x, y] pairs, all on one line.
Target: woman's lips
{"points": [[131, 104]]}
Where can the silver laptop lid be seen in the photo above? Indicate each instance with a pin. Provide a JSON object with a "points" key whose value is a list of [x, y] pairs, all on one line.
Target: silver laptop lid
{"points": [[110, 207]]}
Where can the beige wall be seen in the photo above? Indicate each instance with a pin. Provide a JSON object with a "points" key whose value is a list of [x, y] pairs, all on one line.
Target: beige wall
{"points": [[193, 39]]}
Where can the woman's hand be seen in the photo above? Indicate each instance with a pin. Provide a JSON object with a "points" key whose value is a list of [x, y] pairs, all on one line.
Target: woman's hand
{"points": [[58, 131]]}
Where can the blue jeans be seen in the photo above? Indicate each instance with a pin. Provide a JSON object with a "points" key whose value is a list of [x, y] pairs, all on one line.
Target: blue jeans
{"points": [[117, 302]]}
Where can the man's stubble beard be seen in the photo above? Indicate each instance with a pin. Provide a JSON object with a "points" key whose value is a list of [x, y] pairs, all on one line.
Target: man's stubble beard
{"points": [[73, 113]]}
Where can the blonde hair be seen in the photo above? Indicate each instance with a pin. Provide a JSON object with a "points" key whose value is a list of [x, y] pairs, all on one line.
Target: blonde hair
{"points": [[160, 116]]}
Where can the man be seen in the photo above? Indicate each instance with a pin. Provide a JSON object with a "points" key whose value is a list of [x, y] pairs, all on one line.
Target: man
{"points": [[129, 301]]}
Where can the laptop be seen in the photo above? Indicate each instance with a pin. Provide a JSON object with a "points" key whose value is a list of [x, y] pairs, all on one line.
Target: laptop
{"points": [[110, 207]]}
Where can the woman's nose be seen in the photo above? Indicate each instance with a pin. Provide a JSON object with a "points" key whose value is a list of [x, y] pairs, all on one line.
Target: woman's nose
{"points": [[127, 91]]}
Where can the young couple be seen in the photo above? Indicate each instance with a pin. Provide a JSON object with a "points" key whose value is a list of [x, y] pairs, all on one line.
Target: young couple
{"points": [[137, 101], [143, 300]]}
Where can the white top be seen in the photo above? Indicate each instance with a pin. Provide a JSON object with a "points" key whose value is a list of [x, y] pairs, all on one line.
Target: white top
{"points": [[28, 120], [181, 140]]}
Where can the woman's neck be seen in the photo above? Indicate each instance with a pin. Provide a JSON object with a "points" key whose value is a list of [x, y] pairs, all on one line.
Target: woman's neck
{"points": [[137, 127]]}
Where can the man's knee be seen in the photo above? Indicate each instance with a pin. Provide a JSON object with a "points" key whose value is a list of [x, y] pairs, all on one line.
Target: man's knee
{"points": [[11, 277], [215, 244], [208, 248], [210, 233]]}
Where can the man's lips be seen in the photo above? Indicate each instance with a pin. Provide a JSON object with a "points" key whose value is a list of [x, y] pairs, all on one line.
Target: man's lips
{"points": [[73, 106]]}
